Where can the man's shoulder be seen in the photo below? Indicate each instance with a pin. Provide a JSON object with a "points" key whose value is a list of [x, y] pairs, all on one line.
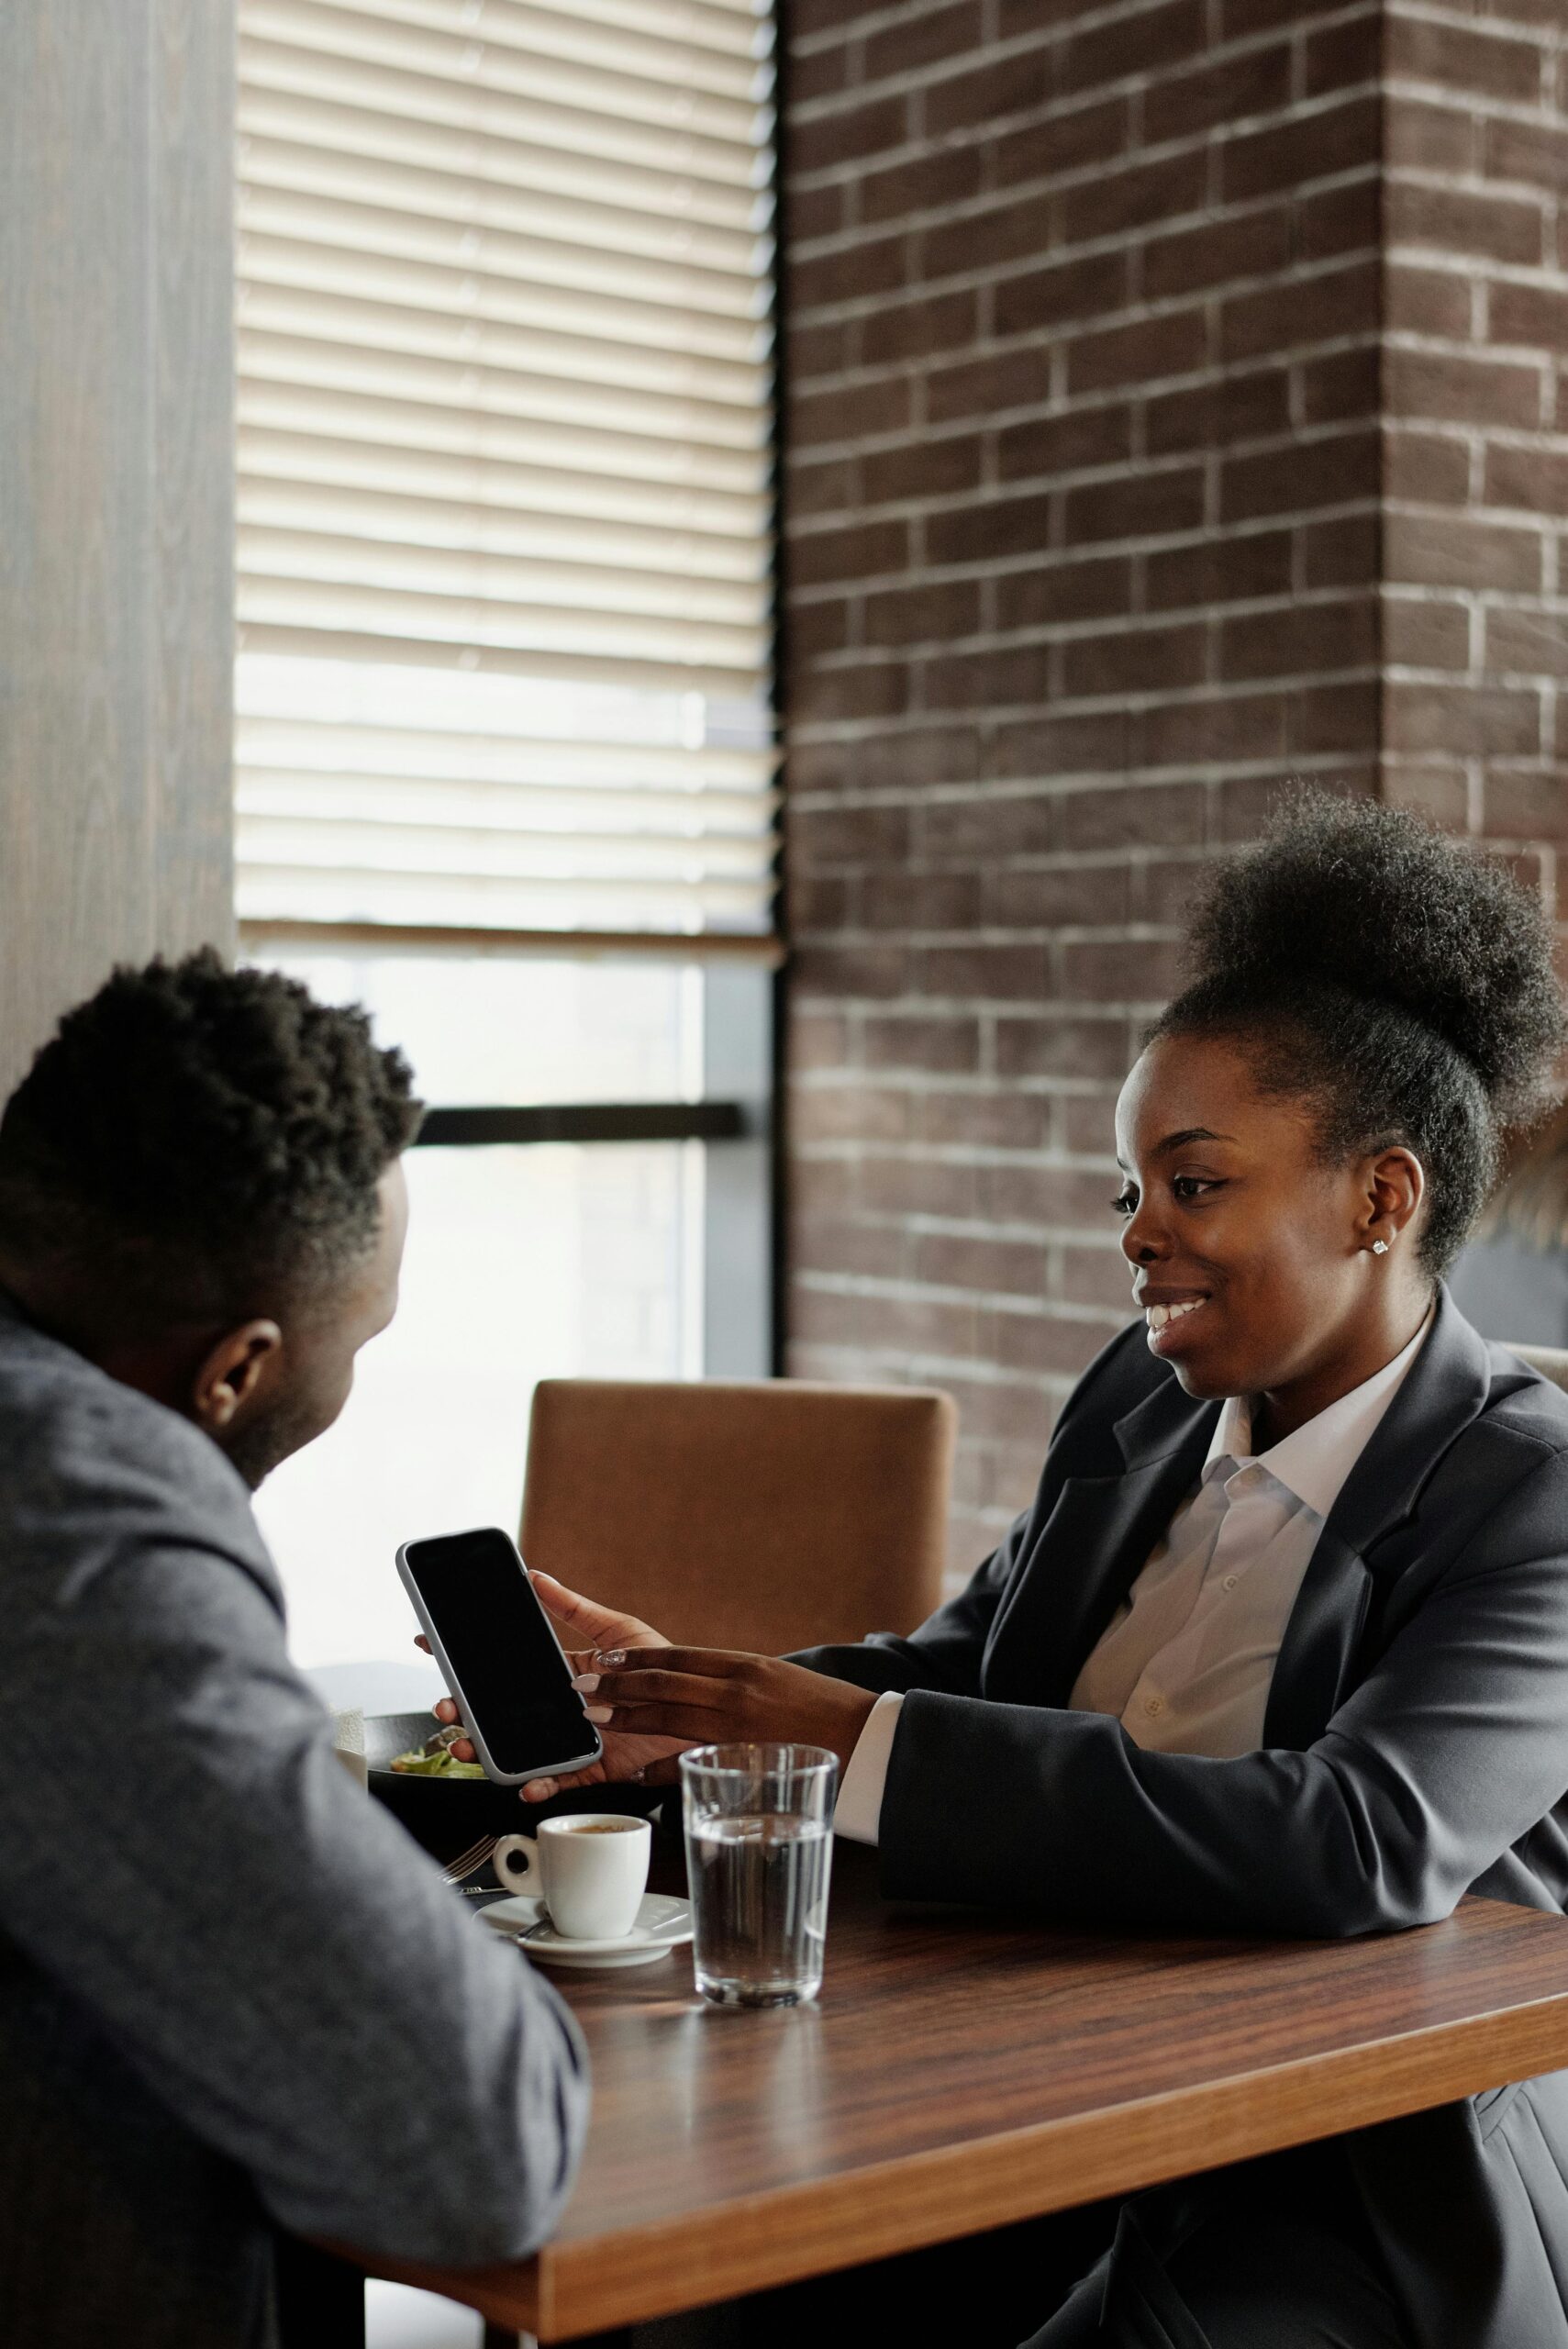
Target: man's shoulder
{"points": [[81, 1450]]}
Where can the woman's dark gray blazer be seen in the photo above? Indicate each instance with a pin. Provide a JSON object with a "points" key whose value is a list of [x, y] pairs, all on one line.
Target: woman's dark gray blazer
{"points": [[1416, 1748]]}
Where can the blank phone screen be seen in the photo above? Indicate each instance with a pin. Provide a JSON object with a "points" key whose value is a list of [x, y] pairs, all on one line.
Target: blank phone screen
{"points": [[516, 1686]]}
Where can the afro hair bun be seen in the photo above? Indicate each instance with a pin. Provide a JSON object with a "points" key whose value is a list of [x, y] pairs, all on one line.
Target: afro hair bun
{"points": [[1350, 897]]}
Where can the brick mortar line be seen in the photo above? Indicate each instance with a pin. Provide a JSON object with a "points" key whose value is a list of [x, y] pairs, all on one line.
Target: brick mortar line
{"points": [[1460, 20], [1064, 558], [1217, 213], [1202, 694], [1133, 153], [846, 311], [869, 376], [1141, 542], [919, 1227], [1474, 268], [1484, 105], [811, 315], [1092, 19], [919, 147], [1252, 767], [894, 1288], [1130, 473], [1045, 633], [1473, 183], [934, 73], [878, 444], [974, 1370]]}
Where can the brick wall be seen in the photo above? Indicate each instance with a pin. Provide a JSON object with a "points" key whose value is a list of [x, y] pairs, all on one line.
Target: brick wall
{"points": [[1475, 626], [1112, 409]]}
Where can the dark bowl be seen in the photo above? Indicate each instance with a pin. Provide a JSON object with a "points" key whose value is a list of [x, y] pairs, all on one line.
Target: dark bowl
{"points": [[445, 1815]]}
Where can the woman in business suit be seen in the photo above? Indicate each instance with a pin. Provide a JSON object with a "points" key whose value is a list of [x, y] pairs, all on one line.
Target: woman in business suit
{"points": [[1282, 1644]]}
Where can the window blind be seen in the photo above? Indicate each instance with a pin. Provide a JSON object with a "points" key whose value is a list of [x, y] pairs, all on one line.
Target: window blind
{"points": [[505, 466]]}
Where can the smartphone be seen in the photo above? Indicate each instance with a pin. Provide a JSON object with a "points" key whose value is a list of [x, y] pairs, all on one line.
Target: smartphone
{"points": [[498, 1654]]}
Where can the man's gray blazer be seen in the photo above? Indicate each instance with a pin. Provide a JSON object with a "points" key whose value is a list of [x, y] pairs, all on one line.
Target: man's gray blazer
{"points": [[1415, 1748], [232, 1990]]}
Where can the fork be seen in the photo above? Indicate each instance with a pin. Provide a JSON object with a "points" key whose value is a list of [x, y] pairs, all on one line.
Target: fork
{"points": [[466, 1861]]}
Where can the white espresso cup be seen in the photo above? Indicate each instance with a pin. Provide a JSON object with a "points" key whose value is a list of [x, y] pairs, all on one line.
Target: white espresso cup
{"points": [[590, 1865]]}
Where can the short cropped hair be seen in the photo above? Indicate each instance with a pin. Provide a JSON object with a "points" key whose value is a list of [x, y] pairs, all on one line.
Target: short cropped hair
{"points": [[192, 1136]]}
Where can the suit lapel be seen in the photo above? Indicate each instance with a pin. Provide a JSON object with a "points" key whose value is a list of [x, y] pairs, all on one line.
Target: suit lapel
{"points": [[1313, 1666], [1101, 1530], [1447, 1386], [1092, 1548]]}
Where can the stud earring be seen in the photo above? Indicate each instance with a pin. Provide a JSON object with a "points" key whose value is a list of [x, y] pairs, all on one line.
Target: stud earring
{"points": [[1380, 1247]]}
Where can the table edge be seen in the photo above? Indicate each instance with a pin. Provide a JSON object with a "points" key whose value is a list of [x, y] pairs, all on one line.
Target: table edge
{"points": [[941, 2192]]}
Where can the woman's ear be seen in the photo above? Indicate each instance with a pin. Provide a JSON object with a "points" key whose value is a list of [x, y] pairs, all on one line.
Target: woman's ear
{"points": [[231, 1371], [1396, 1185]]}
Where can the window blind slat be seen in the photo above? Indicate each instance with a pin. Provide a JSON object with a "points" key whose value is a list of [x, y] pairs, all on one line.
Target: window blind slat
{"points": [[520, 112], [342, 894], [344, 747], [454, 853], [480, 808], [589, 360], [462, 618], [335, 129], [505, 391], [567, 589], [292, 169], [316, 639], [481, 432], [447, 292], [556, 132], [697, 86], [379, 515], [471, 247], [662, 33], [373, 461], [505, 467]]}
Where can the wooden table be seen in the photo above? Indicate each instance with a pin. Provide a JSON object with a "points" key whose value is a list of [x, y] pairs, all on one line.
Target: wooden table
{"points": [[964, 2071]]}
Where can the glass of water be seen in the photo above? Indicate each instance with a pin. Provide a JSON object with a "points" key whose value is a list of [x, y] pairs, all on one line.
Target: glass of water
{"points": [[758, 1823]]}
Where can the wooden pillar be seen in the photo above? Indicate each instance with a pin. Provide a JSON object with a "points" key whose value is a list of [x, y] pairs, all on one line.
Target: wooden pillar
{"points": [[116, 135]]}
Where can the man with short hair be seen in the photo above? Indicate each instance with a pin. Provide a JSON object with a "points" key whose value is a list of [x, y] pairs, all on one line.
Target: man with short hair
{"points": [[233, 1994]]}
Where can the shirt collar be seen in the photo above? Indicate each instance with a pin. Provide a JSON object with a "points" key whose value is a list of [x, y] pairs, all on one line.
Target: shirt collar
{"points": [[1314, 1461]]}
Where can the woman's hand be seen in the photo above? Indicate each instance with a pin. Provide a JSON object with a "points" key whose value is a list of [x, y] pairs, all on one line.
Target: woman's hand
{"points": [[583, 1626], [715, 1695]]}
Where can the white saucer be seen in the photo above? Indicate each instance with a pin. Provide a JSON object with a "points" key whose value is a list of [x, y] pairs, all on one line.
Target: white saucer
{"points": [[662, 1924]]}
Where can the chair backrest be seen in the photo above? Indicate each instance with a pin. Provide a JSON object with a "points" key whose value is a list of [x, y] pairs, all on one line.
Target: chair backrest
{"points": [[1551, 1361], [764, 1515]]}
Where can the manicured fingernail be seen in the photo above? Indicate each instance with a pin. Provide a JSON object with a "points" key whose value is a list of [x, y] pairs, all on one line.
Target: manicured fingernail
{"points": [[585, 1682], [600, 1714]]}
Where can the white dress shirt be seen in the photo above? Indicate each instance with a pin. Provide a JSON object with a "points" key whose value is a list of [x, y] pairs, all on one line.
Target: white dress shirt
{"points": [[1186, 1661]]}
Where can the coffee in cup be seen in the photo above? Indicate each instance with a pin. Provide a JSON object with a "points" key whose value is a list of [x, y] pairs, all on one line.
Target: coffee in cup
{"points": [[591, 1868]]}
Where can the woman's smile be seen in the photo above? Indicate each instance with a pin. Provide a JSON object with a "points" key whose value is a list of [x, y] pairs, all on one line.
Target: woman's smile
{"points": [[1169, 1314]]}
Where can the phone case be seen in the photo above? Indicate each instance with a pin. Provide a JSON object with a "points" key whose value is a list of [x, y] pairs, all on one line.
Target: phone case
{"points": [[501, 1777]]}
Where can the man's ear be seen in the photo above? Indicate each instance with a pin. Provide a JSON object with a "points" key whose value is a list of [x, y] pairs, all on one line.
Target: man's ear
{"points": [[232, 1371]]}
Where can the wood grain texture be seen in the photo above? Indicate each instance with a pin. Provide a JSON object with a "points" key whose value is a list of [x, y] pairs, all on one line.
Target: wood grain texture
{"points": [[965, 2071], [115, 494]]}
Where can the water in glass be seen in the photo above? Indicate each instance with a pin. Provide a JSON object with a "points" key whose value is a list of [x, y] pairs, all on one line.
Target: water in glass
{"points": [[760, 1898], [758, 1826]]}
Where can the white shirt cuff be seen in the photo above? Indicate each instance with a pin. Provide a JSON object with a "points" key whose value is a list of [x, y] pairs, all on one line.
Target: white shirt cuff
{"points": [[859, 1814]]}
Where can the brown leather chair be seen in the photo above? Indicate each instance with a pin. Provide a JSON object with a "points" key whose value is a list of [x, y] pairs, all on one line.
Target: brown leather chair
{"points": [[764, 1515], [1551, 1361]]}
